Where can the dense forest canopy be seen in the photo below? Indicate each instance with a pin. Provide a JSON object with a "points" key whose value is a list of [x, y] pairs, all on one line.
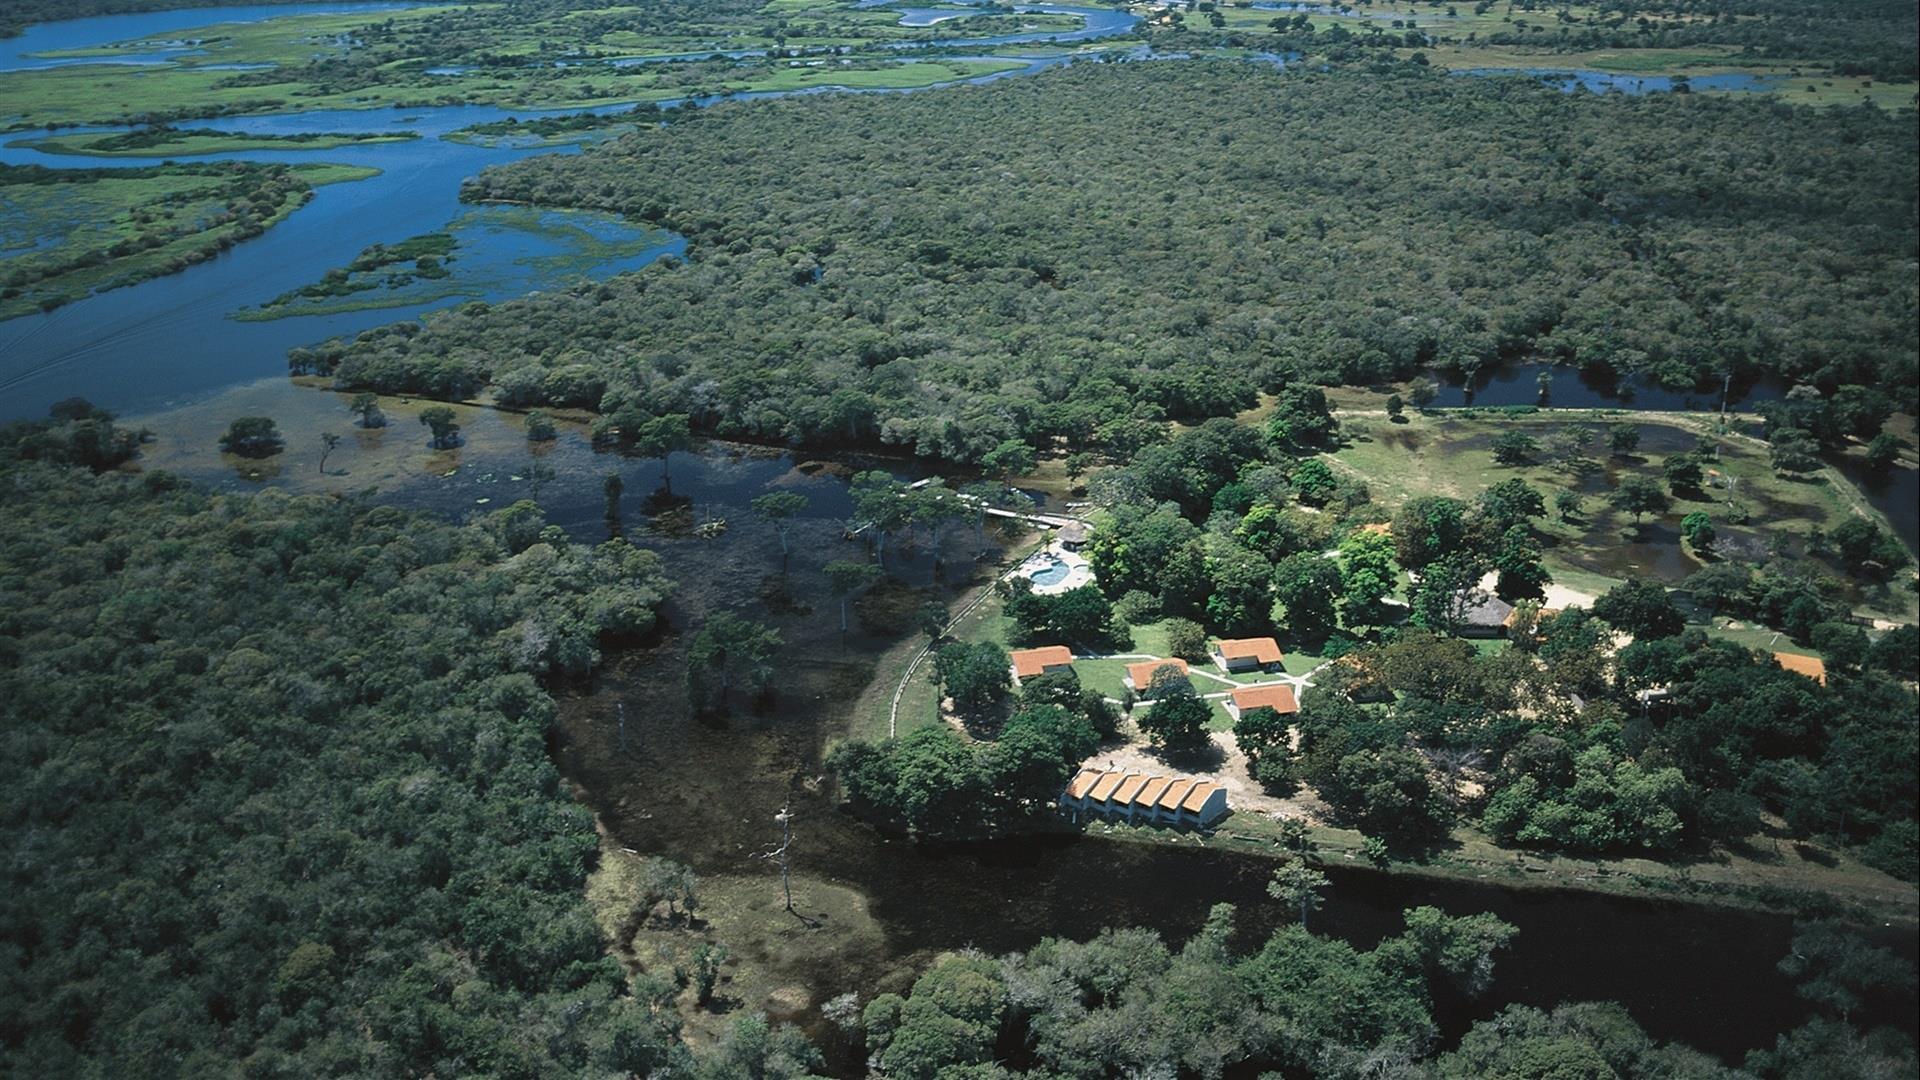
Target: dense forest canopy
{"points": [[276, 789], [1047, 256]]}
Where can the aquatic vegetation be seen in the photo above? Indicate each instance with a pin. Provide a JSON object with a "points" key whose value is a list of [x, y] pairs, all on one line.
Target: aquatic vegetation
{"points": [[72, 232]]}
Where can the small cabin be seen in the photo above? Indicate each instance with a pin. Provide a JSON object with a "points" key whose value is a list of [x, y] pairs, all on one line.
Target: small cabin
{"points": [[1276, 696], [1139, 677], [1482, 615], [1247, 654], [1074, 536], [1045, 660]]}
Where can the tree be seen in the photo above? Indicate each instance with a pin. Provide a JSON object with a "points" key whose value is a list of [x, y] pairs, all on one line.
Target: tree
{"points": [[1313, 481], [1077, 615], [660, 437], [708, 958], [1009, 459], [725, 648], [880, 503], [976, 676], [1717, 585], [1367, 574], [782, 853], [1396, 409], [1518, 561], [1882, 452], [1385, 791], [1514, 448], [1510, 502], [1838, 970], [1698, 530], [846, 578], [1423, 391], [1866, 549], [1683, 472], [1301, 419], [1641, 607], [1445, 592], [328, 440], [1297, 886], [779, 509], [1639, 496], [540, 427], [1623, 439], [1794, 451], [611, 489], [1242, 588], [1568, 503], [933, 506], [1307, 585], [1177, 721], [1426, 528], [444, 432], [366, 410], [1186, 639], [1265, 737], [252, 436]]}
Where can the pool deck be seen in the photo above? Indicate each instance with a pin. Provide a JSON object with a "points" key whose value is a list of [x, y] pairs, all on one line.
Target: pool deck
{"points": [[1079, 572]]}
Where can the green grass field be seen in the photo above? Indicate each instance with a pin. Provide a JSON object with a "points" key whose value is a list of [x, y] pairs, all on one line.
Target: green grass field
{"points": [[196, 143], [1448, 453]]}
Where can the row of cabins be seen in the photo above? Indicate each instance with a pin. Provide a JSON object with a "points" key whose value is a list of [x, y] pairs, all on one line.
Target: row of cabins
{"points": [[1139, 799]]}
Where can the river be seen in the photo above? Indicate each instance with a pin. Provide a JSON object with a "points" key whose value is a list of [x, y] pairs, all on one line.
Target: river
{"points": [[122, 349]]}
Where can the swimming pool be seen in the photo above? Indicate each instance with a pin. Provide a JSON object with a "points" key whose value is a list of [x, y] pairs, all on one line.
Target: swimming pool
{"points": [[1052, 574]]}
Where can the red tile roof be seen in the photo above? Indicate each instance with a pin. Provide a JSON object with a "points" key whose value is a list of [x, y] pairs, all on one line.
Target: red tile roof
{"points": [[1197, 798], [1811, 666], [1264, 649], [1276, 696], [1142, 672], [1030, 662], [1176, 793]]}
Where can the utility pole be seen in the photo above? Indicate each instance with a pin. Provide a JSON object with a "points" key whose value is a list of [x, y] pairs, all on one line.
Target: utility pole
{"points": [[1726, 389]]}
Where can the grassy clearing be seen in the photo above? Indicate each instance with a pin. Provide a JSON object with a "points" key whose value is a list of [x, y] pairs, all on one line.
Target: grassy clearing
{"points": [[195, 143], [1447, 452]]}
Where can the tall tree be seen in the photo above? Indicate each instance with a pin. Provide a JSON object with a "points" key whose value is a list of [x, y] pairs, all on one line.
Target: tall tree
{"points": [[779, 508]]}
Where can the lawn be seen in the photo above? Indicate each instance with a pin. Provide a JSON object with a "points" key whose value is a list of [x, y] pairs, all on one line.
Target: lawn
{"points": [[1448, 452], [195, 143]]}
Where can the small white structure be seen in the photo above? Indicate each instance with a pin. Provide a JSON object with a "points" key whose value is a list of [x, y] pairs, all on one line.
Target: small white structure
{"points": [[1139, 799], [1247, 654], [1045, 660]]}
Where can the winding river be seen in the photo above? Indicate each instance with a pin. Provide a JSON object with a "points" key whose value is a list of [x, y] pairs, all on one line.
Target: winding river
{"points": [[122, 349]]}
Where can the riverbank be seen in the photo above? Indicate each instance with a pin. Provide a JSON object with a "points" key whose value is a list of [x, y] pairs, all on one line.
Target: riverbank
{"points": [[196, 142], [89, 231]]}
